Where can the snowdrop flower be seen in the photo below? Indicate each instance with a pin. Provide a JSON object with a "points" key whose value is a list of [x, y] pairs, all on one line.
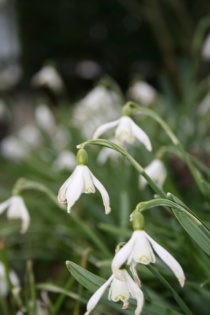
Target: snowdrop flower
{"points": [[3, 280], [126, 131], [97, 107], [121, 289], [157, 171], [48, 76], [81, 181], [31, 135], [45, 118], [142, 92], [14, 149], [107, 153], [206, 48], [139, 249], [16, 210], [204, 106], [66, 160]]}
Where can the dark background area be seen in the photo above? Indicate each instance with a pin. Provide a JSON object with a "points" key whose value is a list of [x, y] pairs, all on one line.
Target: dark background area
{"points": [[124, 37]]}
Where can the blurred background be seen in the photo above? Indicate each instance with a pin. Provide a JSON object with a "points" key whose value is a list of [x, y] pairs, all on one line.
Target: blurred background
{"points": [[67, 66]]}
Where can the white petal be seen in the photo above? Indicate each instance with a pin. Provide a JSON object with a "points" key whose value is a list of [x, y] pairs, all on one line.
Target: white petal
{"points": [[75, 188], [62, 190], [100, 130], [122, 255], [169, 260], [135, 292], [142, 251], [18, 210], [104, 194], [124, 131], [97, 295], [119, 290], [141, 136], [134, 273], [157, 171], [88, 181], [4, 205]]}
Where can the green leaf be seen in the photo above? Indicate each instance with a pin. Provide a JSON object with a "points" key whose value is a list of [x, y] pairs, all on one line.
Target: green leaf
{"points": [[192, 224], [85, 277], [93, 282]]}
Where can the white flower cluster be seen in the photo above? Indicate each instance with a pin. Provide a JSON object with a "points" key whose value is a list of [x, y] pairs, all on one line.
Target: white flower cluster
{"points": [[141, 247]]}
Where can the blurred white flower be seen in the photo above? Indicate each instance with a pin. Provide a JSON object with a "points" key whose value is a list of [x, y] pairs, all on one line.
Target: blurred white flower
{"points": [[95, 108], [121, 289], [205, 53], [49, 77], [10, 76], [142, 92], [88, 69], [45, 118], [138, 250], [41, 309], [81, 181], [16, 209], [204, 106], [66, 160], [4, 289], [31, 135], [14, 148], [157, 171], [126, 131], [61, 138], [106, 154]]}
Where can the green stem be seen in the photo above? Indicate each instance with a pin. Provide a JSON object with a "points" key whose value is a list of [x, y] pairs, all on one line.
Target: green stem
{"points": [[62, 296], [134, 163]]}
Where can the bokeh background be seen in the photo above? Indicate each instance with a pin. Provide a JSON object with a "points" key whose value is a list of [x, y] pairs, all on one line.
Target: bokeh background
{"points": [[95, 56]]}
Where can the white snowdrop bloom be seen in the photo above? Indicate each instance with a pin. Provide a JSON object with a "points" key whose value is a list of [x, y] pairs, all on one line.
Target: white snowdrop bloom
{"points": [[45, 118], [142, 92], [206, 48], [95, 108], [49, 77], [121, 289], [14, 149], [157, 171], [106, 154], [81, 181], [31, 135], [3, 280], [16, 209], [66, 160], [139, 249], [126, 131]]}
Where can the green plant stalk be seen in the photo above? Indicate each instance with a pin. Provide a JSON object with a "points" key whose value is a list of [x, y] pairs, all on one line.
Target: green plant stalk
{"points": [[62, 296], [101, 142], [32, 288], [135, 108], [179, 301]]}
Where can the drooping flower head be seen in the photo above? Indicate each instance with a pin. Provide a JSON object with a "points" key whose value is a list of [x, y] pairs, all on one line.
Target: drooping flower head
{"points": [[81, 181], [140, 249], [126, 131], [157, 171], [16, 210], [121, 289]]}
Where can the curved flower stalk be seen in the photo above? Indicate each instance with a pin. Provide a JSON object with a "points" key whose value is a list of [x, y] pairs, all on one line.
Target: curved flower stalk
{"points": [[156, 171], [127, 131], [16, 210], [139, 249], [81, 181], [122, 288]]}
